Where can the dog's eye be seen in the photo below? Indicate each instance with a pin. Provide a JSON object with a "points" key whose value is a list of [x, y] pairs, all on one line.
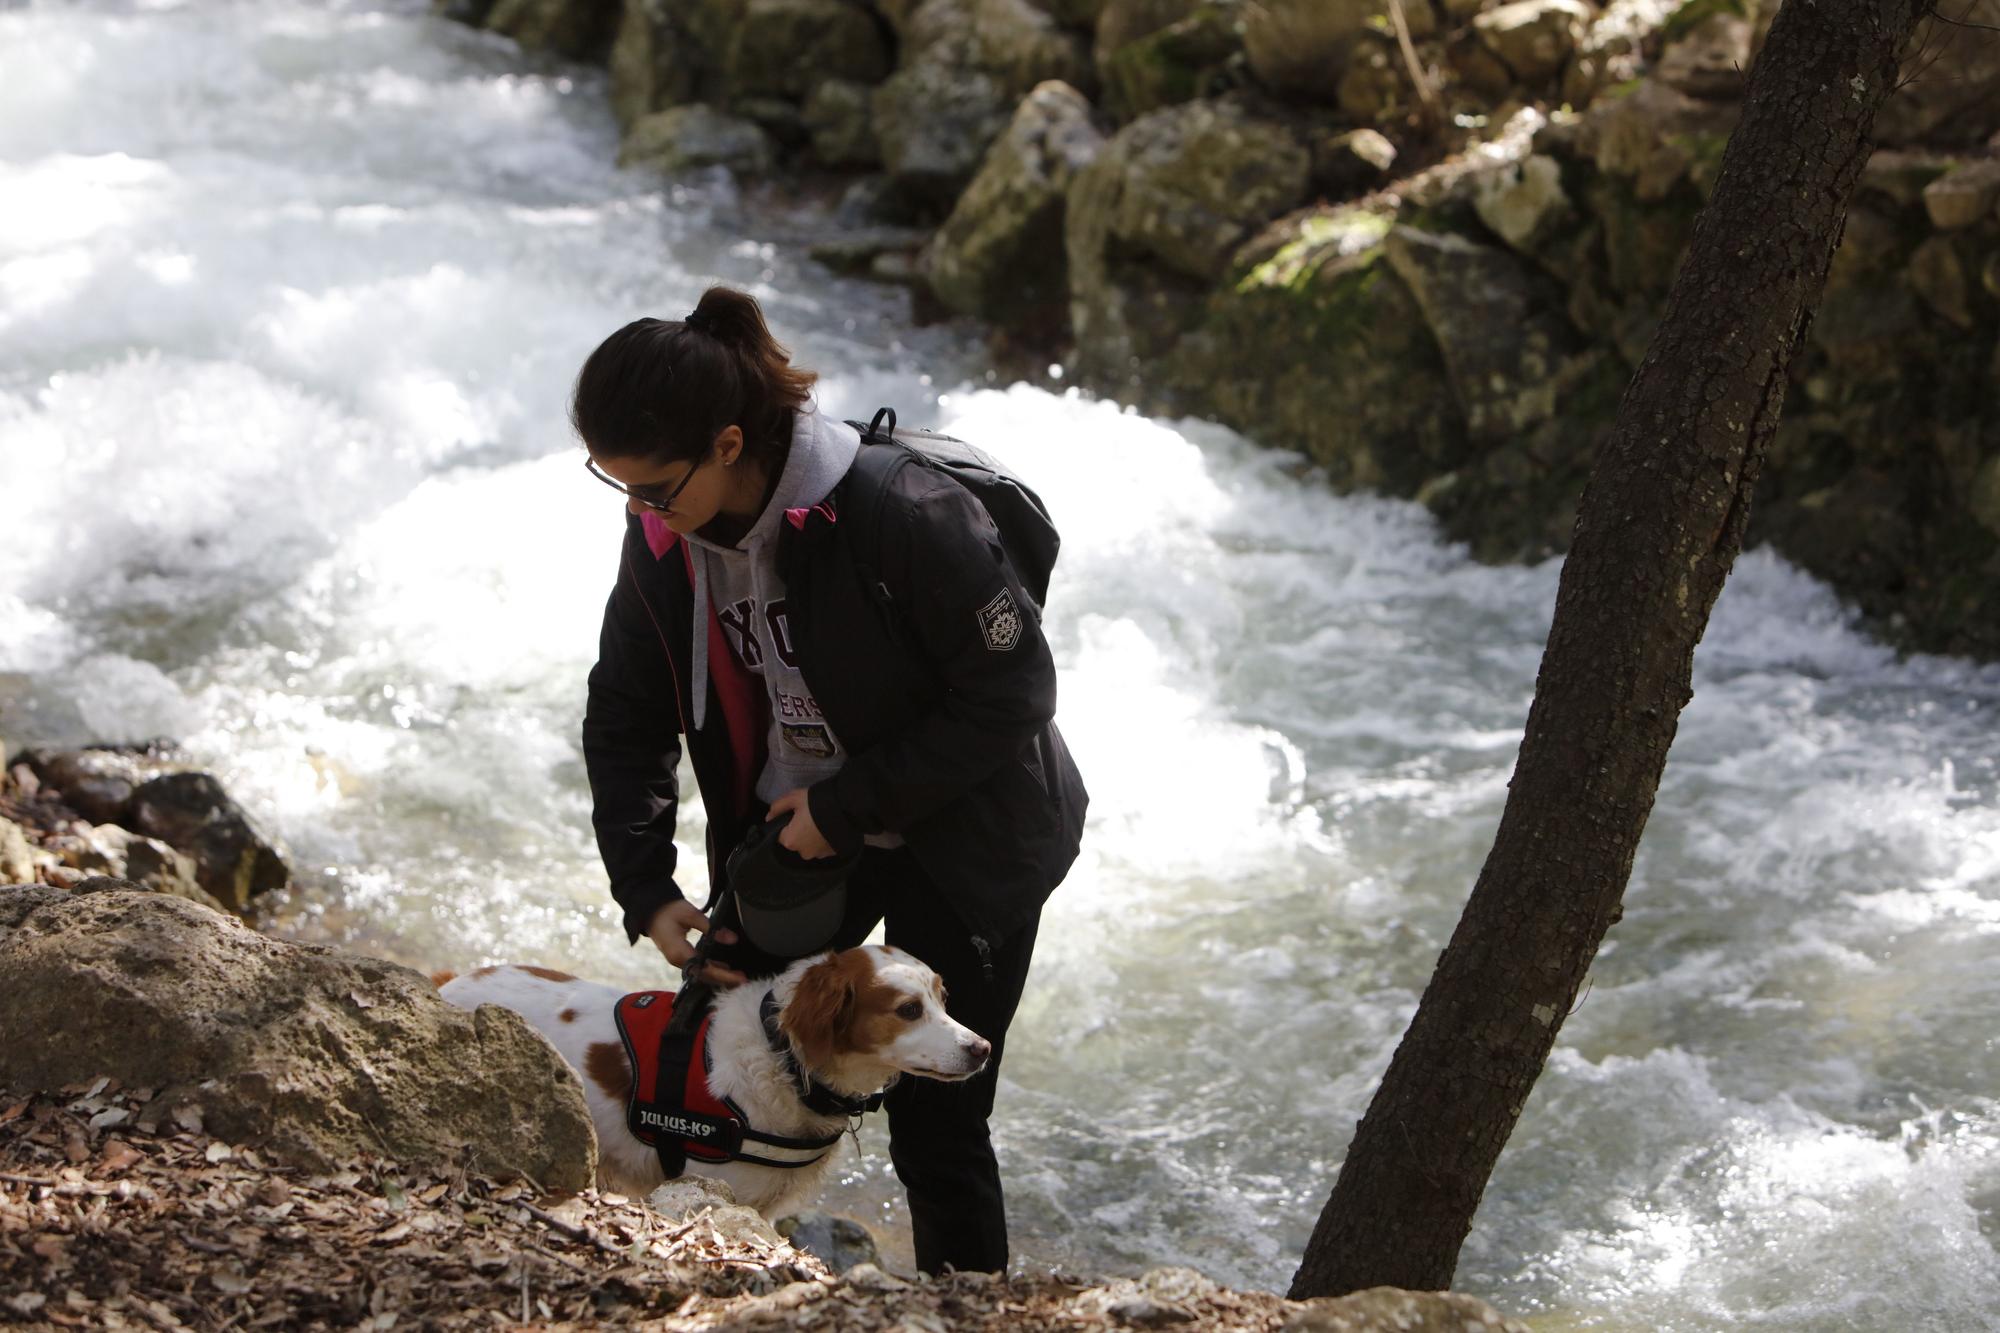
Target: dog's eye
{"points": [[910, 1010]]}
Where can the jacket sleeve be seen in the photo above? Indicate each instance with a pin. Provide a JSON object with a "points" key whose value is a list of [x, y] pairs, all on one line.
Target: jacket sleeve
{"points": [[976, 626], [631, 748]]}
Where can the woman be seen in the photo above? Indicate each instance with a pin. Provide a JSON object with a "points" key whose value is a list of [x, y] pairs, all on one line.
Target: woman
{"points": [[879, 721]]}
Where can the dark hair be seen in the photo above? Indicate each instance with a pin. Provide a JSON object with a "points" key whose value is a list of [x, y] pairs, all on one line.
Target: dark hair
{"points": [[666, 388]]}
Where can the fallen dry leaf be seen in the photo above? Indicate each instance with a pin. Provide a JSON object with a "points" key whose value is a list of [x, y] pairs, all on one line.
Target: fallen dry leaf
{"points": [[119, 1154]]}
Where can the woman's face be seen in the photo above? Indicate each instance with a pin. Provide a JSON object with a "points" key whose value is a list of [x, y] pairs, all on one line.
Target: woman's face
{"points": [[693, 492]]}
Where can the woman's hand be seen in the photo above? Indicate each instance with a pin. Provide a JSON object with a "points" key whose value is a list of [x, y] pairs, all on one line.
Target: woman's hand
{"points": [[669, 930], [801, 835]]}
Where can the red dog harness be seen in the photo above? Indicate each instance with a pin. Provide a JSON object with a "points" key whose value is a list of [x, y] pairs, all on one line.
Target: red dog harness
{"points": [[671, 1108]]}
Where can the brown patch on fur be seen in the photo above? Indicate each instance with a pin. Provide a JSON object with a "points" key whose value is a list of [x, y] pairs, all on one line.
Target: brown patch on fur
{"points": [[567, 1015], [440, 977], [841, 1006], [486, 971], [605, 1065], [546, 973]]}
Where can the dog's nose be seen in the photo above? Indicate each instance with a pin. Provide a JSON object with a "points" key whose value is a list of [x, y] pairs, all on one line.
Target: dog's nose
{"points": [[979, 1049]]}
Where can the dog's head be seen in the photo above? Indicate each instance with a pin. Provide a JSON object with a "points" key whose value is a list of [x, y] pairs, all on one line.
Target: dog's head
{"points": [[878, 1008]]}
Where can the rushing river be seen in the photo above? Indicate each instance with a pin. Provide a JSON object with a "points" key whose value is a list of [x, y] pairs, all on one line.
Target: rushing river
{"points": [[290, 299]]}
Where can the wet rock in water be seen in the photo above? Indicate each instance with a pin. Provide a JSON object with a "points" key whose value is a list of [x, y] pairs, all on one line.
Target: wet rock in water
{"points": [[857, 251], [685, 138], [311, 1053], [839, 1242], [1000, 253], [98, 781], [1381, 1308], [191, 812]]}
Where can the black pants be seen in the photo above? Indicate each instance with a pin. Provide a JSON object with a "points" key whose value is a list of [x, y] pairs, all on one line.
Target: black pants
{"points": [[938, 1139]]}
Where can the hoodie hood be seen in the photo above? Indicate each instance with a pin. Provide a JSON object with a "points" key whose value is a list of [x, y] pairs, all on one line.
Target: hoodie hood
{"points": [[822, 451]]}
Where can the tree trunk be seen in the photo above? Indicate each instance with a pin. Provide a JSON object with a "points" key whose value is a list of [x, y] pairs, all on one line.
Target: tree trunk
{"points": [[1659, 526]]}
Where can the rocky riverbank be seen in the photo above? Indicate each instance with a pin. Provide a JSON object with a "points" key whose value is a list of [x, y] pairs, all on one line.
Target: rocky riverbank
{"points": [[203, 1126], [1423, 241]]}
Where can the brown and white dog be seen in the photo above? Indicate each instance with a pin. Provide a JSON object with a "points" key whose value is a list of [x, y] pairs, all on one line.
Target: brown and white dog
{"points": [[855, 1021]]}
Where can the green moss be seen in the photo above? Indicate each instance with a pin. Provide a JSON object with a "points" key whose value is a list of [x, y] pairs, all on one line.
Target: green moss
{"points": [[1322, 238], [1176, 64]]}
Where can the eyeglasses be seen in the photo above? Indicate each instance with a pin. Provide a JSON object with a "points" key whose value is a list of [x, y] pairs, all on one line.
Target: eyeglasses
{"points": [[643, 494]]}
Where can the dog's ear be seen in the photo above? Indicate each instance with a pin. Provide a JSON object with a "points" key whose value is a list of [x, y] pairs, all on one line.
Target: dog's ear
{"points": [[821, 1011]]}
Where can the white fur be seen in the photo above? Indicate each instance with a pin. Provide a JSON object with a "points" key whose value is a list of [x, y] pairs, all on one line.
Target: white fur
{"points": [[744, 1067]]}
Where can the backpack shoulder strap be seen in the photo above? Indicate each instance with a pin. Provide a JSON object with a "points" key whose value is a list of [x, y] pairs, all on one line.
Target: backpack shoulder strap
{"points": [[866, 489]]}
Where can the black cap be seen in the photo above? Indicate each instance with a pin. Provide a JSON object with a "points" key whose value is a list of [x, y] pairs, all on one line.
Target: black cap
{"points": [[788, 906]]}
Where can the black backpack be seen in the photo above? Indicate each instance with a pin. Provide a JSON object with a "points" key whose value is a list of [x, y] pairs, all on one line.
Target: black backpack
{"points": [[1025, 527]]}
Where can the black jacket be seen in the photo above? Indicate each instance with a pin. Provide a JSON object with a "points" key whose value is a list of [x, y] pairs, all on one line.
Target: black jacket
{"points": [[944, 702]]}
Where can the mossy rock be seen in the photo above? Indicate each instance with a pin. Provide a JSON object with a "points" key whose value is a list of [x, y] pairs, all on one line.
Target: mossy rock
{"points": [[1316, 345], [1199, 56]]}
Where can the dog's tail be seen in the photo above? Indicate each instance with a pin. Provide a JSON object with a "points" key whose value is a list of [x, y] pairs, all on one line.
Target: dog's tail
{"points": [[439, 978]]}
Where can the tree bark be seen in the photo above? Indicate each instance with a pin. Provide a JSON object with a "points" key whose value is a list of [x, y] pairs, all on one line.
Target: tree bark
{"points": [[1659, 527]]}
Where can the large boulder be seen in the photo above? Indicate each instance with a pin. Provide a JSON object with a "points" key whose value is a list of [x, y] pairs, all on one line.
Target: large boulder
{"points": [[655, 61], [1000, 253], [684, 138], [1508, 350], [1315, 344], [1152, 223], [785, 48], [308, 1052], [1192, 58], [191, 812], [965, 65], [1299, 48], [839, 120]]}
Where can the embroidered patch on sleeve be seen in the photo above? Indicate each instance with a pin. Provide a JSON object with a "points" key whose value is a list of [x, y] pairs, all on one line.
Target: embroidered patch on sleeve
{"points": [[1000, 622], [809, 738]]}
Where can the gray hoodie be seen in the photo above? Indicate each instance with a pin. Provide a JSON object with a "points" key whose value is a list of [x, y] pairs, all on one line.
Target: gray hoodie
{"points": [[743, 584]]}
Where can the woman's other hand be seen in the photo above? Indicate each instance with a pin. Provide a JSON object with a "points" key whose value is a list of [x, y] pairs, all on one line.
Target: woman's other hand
{"points": [[669, 931], [801, 836]]}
